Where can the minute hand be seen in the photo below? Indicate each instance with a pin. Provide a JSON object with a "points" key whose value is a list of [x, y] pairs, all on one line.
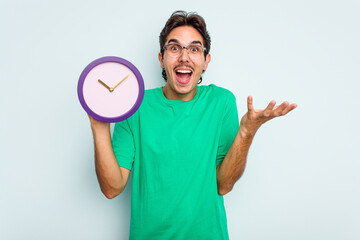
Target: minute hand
{"points": [[121, 81]]}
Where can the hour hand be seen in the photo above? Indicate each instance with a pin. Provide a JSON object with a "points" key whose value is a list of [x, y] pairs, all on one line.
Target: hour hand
{"points": [[110, 89]]}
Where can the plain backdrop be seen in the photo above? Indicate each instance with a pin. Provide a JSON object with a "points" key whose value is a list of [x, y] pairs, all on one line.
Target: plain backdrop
{"points": [[302, 176]]}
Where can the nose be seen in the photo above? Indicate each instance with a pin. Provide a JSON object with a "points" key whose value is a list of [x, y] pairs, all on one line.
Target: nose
{"points": [[184, 55]]}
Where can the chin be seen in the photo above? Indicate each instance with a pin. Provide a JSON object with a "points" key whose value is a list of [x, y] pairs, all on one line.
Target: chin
{"points": [[184, 90]]}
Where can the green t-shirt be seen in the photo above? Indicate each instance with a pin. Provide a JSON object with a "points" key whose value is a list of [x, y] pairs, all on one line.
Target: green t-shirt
{"points": [[174, 148]]}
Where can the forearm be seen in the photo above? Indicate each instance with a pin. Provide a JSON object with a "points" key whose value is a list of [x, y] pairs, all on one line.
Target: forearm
{"points": [[108, 172], [233, 165]]}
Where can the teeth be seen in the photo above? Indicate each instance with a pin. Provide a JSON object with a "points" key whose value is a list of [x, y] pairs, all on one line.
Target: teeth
{"points": [[183, 71]]}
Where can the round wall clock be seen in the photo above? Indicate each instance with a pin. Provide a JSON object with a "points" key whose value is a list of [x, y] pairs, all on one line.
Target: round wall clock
{"points": [[110, 89]]}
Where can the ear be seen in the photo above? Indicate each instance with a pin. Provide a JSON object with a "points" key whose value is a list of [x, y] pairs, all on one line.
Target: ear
{"points": [[161, 60], [207, 60]]}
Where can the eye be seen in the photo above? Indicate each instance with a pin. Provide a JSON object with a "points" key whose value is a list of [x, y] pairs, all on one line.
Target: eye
{"points": [[174, 48], [195, 49]]}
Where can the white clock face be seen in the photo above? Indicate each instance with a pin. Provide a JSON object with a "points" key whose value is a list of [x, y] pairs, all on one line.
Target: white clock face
{"points": [[110, 89]]}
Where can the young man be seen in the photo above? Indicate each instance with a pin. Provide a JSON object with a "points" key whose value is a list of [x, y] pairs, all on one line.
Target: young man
{"points": [[184, 144]]}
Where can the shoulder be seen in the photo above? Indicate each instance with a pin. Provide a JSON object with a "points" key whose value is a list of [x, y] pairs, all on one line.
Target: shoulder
{"points": [[151, 92], [218, 92], [149, 99]]}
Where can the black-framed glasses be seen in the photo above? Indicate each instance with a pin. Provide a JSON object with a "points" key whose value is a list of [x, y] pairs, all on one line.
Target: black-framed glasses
{"points": [[194, 50]]}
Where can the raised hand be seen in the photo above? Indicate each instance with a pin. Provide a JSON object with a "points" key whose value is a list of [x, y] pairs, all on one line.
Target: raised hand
{"points": [[253, 119]]}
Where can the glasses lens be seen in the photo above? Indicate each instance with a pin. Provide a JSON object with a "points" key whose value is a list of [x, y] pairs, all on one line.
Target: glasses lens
{"points": [[174, 50], [195, 51]]}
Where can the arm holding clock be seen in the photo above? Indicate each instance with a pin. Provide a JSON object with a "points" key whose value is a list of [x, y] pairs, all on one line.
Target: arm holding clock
{"points": [[233, 165], [106, 99], [112, 178]]}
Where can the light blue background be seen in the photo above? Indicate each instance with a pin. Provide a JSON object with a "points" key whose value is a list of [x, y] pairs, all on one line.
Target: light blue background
{"points": [[302, 176]]}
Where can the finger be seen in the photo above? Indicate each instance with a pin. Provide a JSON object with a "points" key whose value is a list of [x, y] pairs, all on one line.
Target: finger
{"points": [[269, 108], [289, 108], [250, 105], [278, 111]]}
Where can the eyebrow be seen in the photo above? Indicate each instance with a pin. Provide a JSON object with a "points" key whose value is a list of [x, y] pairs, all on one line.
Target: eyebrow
{"points": [[176, 41]]}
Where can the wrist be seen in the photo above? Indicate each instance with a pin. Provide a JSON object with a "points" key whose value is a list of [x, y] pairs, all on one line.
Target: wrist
{"points": [[100, 128], [246, 132], [247, 129], [101, 135]]}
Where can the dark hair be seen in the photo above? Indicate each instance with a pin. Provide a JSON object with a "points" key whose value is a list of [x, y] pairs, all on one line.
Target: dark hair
{"points": [[182, 18]]}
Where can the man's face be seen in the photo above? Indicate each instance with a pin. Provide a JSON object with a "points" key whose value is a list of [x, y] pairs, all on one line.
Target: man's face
{"points": [[183, 72]]}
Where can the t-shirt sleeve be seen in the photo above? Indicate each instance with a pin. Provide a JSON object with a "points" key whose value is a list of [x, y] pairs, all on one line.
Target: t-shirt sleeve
{"points": [[229, 128], [123, 144]]}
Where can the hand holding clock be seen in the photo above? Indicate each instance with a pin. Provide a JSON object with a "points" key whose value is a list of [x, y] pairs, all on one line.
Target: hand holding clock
{"points": [[98, 126]]}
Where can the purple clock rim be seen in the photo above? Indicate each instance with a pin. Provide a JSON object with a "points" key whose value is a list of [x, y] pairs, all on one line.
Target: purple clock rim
{"points": [[99, 61]]}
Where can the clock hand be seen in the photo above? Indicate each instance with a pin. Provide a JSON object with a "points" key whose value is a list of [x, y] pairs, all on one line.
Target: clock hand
{"points": [[120, 82], [110, 89]]}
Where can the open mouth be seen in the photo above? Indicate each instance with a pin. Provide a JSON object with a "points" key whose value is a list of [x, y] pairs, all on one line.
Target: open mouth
{"points": [[183, 76]]}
